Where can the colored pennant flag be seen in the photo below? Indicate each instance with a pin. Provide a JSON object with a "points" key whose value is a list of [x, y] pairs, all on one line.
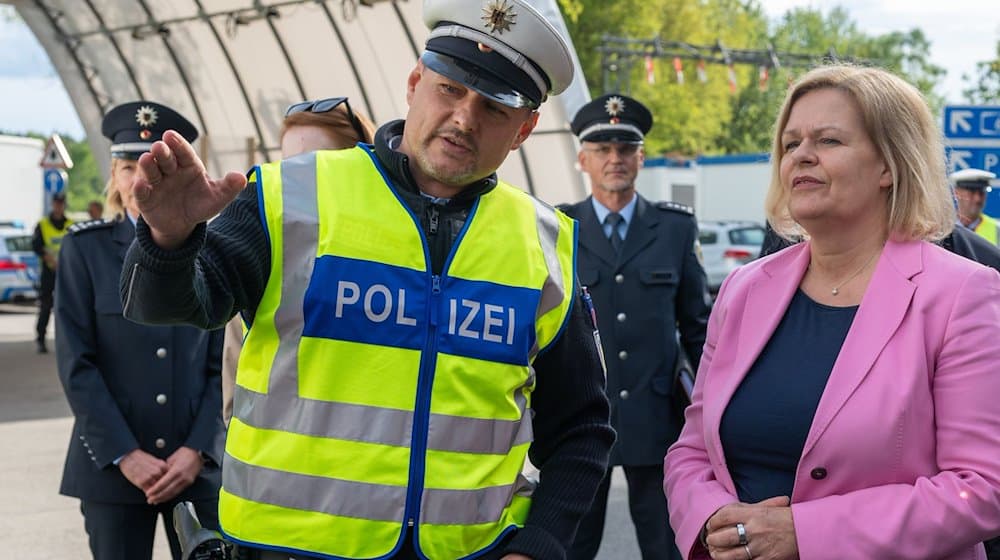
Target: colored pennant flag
{"points": [[679, 69], [762, 78], [650, 74], [732, 78], [702, 74]]}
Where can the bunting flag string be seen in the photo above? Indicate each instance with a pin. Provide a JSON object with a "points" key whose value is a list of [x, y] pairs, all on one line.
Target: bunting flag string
{"points": [[679, 70]]}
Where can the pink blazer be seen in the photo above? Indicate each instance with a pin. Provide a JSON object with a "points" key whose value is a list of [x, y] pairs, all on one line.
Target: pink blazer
{"points": [[907, 429]]}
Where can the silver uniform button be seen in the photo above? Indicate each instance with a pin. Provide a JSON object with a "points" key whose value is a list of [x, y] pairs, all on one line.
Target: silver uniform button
{"points": [[161, 399], [161, 352], [160, 443], [623, 355], [623, 394], [621, 317], [619, 279]]}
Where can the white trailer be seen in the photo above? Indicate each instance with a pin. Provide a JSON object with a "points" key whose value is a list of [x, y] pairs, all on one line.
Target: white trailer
{"points": [[730, 188], [21, 190]]}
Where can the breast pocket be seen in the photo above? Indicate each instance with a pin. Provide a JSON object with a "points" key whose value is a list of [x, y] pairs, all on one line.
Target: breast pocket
{"points": [[588, 276], [659, 283]]}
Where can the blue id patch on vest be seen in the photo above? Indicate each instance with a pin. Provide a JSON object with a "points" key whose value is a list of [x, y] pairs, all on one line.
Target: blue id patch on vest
{"points": [[374, 303], [487, 321], [368, 302]]}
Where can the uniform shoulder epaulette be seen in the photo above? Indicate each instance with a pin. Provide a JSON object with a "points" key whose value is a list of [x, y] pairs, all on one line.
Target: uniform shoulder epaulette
{"points": [[675, 207], [90, 225]]}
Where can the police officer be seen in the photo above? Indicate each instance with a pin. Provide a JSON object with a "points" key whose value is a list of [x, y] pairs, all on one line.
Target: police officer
{"points": [[639, 259], [971, 188], [45, 242], [415, 329], [146, 400]]}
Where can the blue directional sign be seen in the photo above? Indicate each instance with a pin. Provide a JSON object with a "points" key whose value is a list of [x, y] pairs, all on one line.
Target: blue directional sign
{"points": [[972, 135], [54, 180], [972, 122]]}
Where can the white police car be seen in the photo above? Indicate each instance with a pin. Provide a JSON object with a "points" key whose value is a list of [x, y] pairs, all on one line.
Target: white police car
{"points": [[726, 246], [18, 265]]}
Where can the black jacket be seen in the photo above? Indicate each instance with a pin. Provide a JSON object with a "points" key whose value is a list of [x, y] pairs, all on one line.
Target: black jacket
{"points": [[223, 269], [129, 386], [654, 288]]}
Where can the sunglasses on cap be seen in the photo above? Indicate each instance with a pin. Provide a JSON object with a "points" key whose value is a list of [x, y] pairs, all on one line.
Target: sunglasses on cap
{"points": [[325, 106]]}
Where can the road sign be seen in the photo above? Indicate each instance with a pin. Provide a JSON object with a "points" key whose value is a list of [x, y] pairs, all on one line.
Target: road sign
{"points": [[54, 180], [972, 136], [55, 155], [972, 122]]}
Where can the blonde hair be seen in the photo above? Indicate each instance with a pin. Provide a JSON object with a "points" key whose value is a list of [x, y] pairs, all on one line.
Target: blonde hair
{"points": [[336, 122], [114, 208], [900, 125]]}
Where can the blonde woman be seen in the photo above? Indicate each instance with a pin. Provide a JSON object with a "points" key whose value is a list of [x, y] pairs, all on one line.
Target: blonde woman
{"points": [[845, 402]]}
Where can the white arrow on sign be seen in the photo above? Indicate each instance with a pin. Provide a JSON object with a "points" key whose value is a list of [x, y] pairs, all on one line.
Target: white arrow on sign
{"points": [[960, 120], [958, 159]]}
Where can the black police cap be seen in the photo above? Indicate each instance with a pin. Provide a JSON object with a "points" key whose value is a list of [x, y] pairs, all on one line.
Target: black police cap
{"points": [[612, 118], [133, 127]]}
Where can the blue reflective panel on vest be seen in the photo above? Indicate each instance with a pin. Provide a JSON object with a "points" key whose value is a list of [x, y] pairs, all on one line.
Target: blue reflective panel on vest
{"points": [[368, 302], [487, 321]]}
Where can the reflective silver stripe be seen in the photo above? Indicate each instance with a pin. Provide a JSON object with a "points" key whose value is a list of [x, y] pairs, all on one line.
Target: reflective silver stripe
{"points": [[469, 507], [361, 500], [554, 290], [299, 239], [371, 424], [311, 417]]}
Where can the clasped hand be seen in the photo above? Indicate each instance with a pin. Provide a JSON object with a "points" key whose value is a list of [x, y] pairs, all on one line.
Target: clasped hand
{"points": [[770, 531], [161, 480]]}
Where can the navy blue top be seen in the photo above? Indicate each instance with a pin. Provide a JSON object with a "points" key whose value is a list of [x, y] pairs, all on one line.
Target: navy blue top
{"points": [[765, 425]]}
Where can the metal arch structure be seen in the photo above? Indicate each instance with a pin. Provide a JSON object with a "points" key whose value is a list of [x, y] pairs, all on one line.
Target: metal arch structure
{"points": [[232, 66]]}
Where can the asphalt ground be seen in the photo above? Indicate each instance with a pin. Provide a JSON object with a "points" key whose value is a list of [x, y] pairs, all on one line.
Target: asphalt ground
{"points": [[37, 523]]}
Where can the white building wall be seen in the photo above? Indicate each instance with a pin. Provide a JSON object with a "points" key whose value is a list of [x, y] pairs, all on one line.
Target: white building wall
{"points": [[21, 188]]}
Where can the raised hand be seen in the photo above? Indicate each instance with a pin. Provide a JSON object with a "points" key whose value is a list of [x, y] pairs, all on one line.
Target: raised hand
{"points": [[174, 193]]}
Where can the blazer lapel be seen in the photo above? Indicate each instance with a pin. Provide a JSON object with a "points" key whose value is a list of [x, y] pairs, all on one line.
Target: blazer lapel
{"points": [[881, 311], [766, 301], [641, 231], [592, 235]]}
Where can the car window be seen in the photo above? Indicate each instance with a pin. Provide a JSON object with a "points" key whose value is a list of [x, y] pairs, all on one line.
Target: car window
{"points": [[18, 243], [747, 236], [708, 237]]}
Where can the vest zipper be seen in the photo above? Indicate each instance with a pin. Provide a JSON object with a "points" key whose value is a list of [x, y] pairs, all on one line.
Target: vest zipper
{"points": [[421, 419], [433, 226]]}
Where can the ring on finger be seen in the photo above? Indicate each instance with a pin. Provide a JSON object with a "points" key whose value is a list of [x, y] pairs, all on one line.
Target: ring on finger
{"points": [[746, 549], [741, 533]]}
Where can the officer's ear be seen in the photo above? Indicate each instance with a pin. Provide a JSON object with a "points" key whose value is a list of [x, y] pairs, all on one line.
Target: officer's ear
{"points": [[524, 130], [412, 80]]}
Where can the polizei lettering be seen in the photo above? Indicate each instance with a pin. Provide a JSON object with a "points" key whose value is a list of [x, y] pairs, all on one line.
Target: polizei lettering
{"points": [[466, 318], [378, 302], [497, 323]]}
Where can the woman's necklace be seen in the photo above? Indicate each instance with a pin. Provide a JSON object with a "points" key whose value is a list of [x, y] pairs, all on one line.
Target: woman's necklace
{"points": [[836, 289]]}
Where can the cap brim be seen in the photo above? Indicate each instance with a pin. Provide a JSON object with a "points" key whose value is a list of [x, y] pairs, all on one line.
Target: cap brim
{"points": [[476, 79], [619, 136]]}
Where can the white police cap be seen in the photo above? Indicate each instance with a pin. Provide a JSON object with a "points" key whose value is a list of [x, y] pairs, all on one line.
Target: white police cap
{"points": [[972, 178], [503, 49]]}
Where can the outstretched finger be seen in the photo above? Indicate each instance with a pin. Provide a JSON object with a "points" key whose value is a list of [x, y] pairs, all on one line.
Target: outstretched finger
{"points": [[147, 175], [164, 158], [182, 149]]}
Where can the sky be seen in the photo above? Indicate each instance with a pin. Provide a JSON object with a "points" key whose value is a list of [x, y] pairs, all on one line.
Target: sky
{"points": [[962, 32]]}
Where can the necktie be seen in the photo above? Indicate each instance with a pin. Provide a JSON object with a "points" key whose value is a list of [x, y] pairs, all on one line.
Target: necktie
{"points": [[614, 219]]}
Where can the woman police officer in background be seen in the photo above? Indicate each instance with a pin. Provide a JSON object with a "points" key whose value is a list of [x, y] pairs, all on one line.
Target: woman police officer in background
{"points": [[148, 430]]}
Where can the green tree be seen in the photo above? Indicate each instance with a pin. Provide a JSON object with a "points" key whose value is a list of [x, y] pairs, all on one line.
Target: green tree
{"points": [[705, 118], [985, 88]]}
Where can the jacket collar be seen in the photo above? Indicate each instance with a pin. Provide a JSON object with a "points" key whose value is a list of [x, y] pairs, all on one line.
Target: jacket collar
{"points": [[882, 310], [641, 232]]}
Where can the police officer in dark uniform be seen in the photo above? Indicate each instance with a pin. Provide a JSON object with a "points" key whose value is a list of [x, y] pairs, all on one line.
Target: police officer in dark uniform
{"points": [[148, 430], [640, 261]]}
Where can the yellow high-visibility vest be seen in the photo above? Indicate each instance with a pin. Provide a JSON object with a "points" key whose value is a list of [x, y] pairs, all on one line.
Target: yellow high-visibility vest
{"points": [[987, 228], [51, 235], [372, 394]]}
